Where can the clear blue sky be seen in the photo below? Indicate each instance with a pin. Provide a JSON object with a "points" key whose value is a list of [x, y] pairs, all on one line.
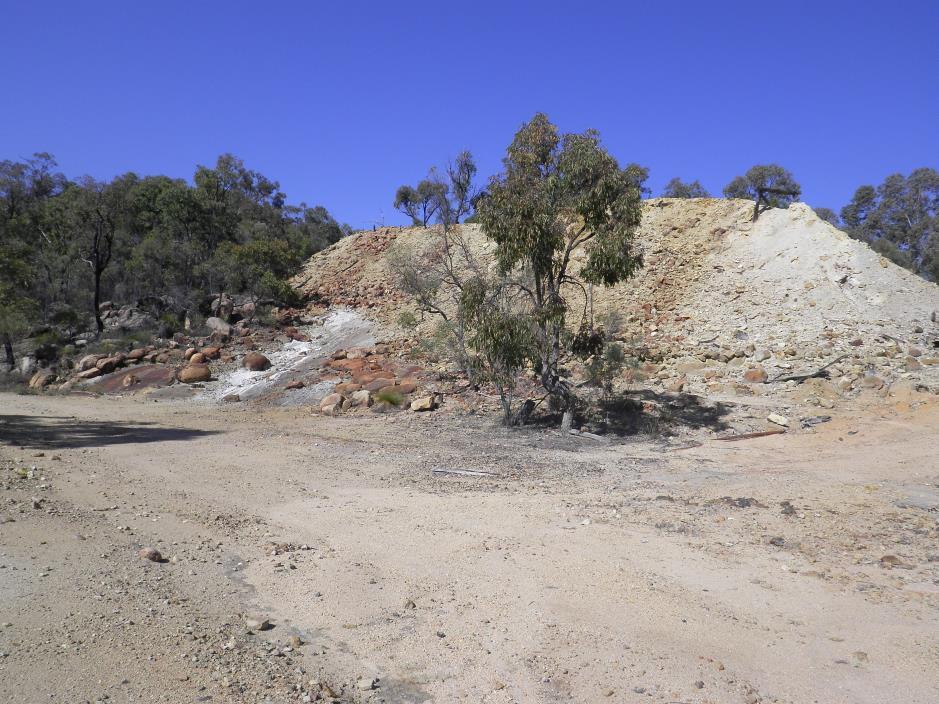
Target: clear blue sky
{"points": [[343, 101]]}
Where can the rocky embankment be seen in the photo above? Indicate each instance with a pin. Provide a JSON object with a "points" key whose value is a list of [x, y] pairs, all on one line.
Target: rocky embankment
{"points": [[788, 307]]}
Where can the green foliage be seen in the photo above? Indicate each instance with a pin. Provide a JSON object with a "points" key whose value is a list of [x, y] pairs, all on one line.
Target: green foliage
{"points": [[17, 310], [73, 244], [49, 337], [438, 345], [25, 188], [501, 335], [170, 323], [559, 193], [603, 368], [461, 202], [407, 320], [829, 216], [407, 201], [449, 200], [900, 219], [637, 176], [258, 267], [390, 396], [421, 203], [900, 257], [676, 188], [483, 324], [759, 183]]}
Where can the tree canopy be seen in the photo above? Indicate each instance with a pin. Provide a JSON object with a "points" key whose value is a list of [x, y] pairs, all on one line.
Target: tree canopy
{"points": [[449, 198], [899, 219], [559, 193], [676, 188], [69, 245], [768, 185]]}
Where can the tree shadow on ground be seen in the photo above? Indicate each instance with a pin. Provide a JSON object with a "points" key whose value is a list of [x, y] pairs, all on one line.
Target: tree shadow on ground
{"points": [[646, 412], [62, 432]]}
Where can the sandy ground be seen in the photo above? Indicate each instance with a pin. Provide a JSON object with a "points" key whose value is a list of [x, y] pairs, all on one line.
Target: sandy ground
{"points": [[581, 571]]}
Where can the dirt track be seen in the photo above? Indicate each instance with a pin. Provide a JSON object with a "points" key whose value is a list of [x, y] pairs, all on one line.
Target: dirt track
{"points": [[584, 572]]}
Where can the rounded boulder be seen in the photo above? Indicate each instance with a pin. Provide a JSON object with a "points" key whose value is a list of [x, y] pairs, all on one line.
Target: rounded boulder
{"points": [[255, 362], [194, 373]]}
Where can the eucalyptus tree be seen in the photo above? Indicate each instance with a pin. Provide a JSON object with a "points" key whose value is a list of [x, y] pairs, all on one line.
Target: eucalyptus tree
{"points": [[559, 194], [767, 185], [676, 188]]}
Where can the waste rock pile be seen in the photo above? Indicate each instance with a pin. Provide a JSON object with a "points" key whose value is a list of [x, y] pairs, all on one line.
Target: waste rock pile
{"points": [[722, 306]]}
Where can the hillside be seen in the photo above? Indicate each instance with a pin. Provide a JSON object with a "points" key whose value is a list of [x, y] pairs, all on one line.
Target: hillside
{"points": [[718, 295]]}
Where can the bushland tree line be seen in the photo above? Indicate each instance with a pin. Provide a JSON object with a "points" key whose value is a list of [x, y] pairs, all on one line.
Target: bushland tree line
{"points": [[67, 245], [899, 218]]}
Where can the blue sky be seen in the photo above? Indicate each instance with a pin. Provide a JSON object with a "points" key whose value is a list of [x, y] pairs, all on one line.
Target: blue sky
{"points": [[342, 102]]}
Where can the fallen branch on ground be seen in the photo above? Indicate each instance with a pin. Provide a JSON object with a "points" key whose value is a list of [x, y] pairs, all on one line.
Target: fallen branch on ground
{"points": [[802, 377], [748, 436], [466, 472]]}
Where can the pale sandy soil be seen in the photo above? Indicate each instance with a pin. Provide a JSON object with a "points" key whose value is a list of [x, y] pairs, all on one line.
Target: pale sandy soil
{"points": [[583, 572]]}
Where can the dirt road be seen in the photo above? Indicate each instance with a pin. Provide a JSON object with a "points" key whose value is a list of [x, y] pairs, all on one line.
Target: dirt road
{"points": [[795, 568]]}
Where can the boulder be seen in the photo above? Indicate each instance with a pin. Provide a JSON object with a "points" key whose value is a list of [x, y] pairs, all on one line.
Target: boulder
{"points": [[107, 365], [41, 379], [130, 380], [424, 403], [88, 361], [348, 365], [137, 353], [362, 397], [255, 362], [296, 384], [676, 386], [246, 310], [151, 554], [194, 373], [218, 325], [197, 358], [407, 386], [378, 384], [211, 352], [222, 306], [28, 365], [130, 319], [189, 352], [689, 365], [331, 400], [347, 388], [756, 375], [89, 373]]}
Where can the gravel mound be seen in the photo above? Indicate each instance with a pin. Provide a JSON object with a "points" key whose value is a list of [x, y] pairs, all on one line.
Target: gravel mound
{"points": [[788, 292]]}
